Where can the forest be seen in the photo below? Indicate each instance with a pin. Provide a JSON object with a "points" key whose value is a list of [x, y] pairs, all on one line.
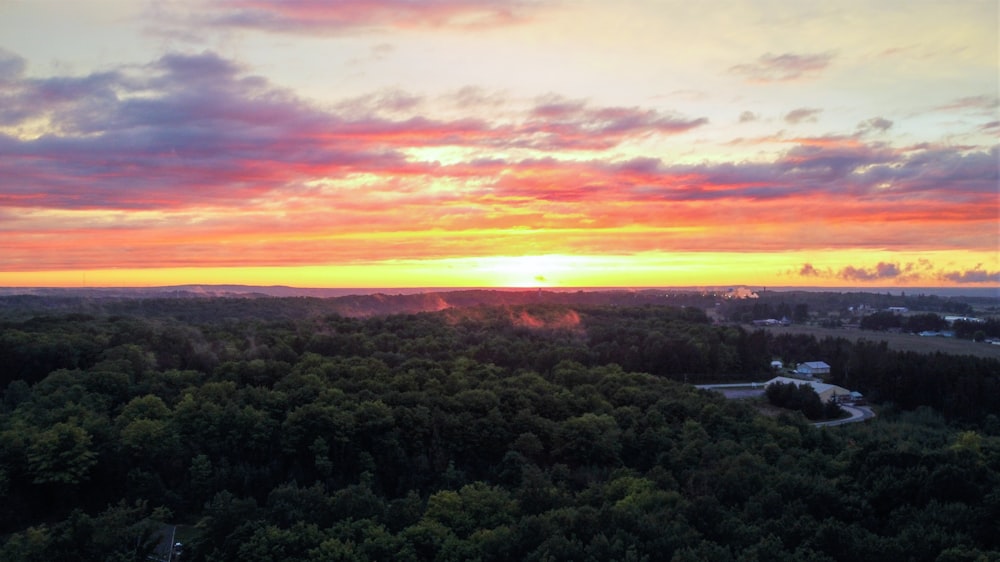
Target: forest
{"points": [[276, 429]]}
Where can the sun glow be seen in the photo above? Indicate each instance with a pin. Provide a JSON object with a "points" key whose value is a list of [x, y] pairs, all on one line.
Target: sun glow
{"points": [[645, 269], [526, 271]]}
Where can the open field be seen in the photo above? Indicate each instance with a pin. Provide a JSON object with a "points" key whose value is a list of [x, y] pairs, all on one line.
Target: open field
{"points": [[899, 342]]}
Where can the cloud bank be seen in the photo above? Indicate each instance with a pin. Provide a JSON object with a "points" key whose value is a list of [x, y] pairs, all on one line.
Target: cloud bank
{"points": [[192, 159]]}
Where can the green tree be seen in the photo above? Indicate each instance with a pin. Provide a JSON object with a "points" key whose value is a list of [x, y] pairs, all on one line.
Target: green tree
{"points": [[30, 545], [151, 440], [202, 477], [61, 455], [148, 406], [589, 439]]}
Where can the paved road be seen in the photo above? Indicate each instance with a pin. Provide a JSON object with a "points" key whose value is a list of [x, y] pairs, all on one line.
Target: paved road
{"points": [[858, 414], [731, 385]]}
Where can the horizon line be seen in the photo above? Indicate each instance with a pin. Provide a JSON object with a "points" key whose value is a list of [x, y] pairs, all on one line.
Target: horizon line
{"points": [[978, 290]]}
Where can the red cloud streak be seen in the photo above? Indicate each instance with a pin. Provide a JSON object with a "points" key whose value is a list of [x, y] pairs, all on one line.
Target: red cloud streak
{"points": [[331, 16]]}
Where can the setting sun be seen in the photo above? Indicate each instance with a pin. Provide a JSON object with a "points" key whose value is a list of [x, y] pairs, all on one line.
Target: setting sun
{"points": [[526, 271]]}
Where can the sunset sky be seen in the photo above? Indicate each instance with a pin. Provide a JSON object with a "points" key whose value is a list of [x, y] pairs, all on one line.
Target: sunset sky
{"points": [[405, 143]]}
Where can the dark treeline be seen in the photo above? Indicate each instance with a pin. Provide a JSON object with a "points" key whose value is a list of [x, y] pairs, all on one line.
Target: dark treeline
{"points": [[491, 433], [870, 311], [916, 323], [775, 304], [198, 307]]}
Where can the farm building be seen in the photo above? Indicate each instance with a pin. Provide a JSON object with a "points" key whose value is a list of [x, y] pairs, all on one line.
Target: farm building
{"points": [[813, 368], [825, 391]]}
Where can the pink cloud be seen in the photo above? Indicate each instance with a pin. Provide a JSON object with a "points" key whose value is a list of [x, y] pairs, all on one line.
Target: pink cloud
{"points": [[559, 123]]}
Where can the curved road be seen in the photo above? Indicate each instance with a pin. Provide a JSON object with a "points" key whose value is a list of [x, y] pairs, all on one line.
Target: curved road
{"points": [[858, 413]]}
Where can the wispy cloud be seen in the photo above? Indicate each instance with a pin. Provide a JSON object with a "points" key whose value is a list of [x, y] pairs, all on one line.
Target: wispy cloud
{"points": [[783, 67], [979, 104], [874, 125], [559, 123], [803, 115], [340, 16]]}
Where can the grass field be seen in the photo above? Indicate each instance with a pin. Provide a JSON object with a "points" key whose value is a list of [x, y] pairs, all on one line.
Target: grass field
{"points": [[900, 342]]}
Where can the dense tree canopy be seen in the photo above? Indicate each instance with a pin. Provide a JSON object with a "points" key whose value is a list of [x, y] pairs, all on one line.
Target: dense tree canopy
{"points": [[538, 432]]}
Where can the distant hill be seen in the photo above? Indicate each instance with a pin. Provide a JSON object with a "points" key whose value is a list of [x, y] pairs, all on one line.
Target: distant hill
{"points": [[188, 291], [251, 291], [189, 300], [204, 302]]}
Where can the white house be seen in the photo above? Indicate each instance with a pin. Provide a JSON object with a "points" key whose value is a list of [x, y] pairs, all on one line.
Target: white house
{"points": [[813, 368]]}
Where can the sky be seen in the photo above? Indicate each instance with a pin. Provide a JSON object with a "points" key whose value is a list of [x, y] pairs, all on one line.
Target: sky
{"points": [[467, 143]]}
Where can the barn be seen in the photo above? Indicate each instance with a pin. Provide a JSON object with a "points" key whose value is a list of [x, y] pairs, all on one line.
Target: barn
{"points": [[813, 368]]}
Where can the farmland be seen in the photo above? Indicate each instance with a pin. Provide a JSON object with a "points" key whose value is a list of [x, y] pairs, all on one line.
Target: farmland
{"points": [[898, 341]]}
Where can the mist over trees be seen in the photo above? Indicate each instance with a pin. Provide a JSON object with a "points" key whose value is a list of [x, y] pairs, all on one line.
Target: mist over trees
{"points": [[524, 432]]}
